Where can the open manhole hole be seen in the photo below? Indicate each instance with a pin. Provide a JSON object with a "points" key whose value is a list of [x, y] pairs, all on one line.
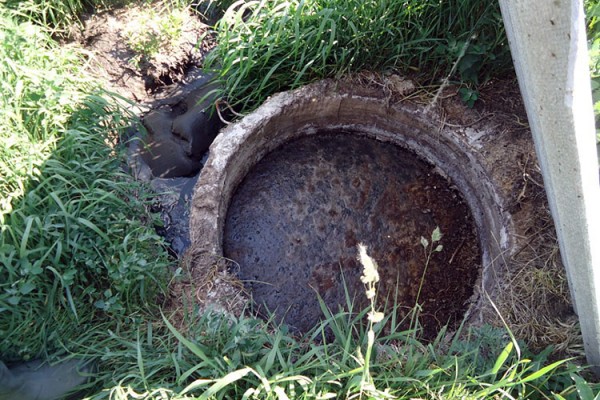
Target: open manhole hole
{"points": [[294, 223], [289, 191]]}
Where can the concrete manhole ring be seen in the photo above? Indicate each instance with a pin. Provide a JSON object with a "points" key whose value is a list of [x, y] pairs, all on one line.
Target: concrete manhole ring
{"points": [[247, 205]]}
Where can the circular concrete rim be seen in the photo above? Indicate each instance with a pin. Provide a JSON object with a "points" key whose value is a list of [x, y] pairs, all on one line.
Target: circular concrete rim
{"points": [[327, 106]]}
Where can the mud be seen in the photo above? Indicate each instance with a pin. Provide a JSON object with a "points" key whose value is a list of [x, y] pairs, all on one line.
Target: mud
{"points": [[173, 198], [179, 135], [295, 221]]}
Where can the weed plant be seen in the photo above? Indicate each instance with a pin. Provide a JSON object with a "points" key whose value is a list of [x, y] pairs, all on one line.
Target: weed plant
{"points": [[73, 249], [268, 46], [152, 32], [224, 357], [59, 16], [212, 10], [55, 16]]}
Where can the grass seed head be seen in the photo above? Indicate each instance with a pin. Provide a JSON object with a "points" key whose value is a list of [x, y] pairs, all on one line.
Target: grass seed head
{"points": [[370, 274]]}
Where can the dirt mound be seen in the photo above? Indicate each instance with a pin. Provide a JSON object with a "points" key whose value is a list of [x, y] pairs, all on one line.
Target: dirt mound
{"points": [[136, 55]]}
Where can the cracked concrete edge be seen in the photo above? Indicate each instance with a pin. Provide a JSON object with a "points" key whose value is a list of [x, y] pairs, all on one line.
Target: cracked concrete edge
{"points": [[327, 105]]}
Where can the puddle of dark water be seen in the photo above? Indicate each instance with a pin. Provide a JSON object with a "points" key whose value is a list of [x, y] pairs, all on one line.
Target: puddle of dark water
{"points": [[174, 196], [295, 220]]}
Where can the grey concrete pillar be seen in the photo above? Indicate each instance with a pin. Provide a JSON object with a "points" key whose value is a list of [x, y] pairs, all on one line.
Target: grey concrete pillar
{"points": [[548, 44]]}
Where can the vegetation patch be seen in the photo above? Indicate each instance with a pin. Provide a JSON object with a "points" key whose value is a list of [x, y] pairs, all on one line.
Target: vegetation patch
{"points": [[218, 356], [266, 47], [73, 249], [151, 33]]}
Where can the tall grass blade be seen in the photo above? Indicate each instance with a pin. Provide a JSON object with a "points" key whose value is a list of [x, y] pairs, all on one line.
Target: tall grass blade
{"points": [[194, 348], [502, 358], [542, 371], [197, 384], [584, 390], [225, 381], [140, 360]]}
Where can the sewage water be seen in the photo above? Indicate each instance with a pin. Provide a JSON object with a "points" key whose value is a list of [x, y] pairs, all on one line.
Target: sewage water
{"points": [[294, 223]]}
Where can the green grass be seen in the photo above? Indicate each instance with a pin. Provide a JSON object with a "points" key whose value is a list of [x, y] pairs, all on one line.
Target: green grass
{"points": [[211, 10], [223, 357], [59, 16], [349, 354], [154, 32], [73, 249], [55, 16], [268, 46], [592, 10]]}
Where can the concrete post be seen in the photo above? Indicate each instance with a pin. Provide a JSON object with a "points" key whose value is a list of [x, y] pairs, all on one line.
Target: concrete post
{"points": [[548, 44]]}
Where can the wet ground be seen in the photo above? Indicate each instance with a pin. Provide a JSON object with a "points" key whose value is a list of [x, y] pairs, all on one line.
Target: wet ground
{"points": [[295, 221]]}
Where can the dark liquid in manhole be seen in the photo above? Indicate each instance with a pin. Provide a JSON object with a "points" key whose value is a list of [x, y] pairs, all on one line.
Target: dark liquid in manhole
{"points": [[294, 223]]}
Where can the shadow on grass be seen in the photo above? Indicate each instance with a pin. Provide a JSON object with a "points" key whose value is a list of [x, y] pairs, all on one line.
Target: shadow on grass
{"points": [[78, 248]]}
